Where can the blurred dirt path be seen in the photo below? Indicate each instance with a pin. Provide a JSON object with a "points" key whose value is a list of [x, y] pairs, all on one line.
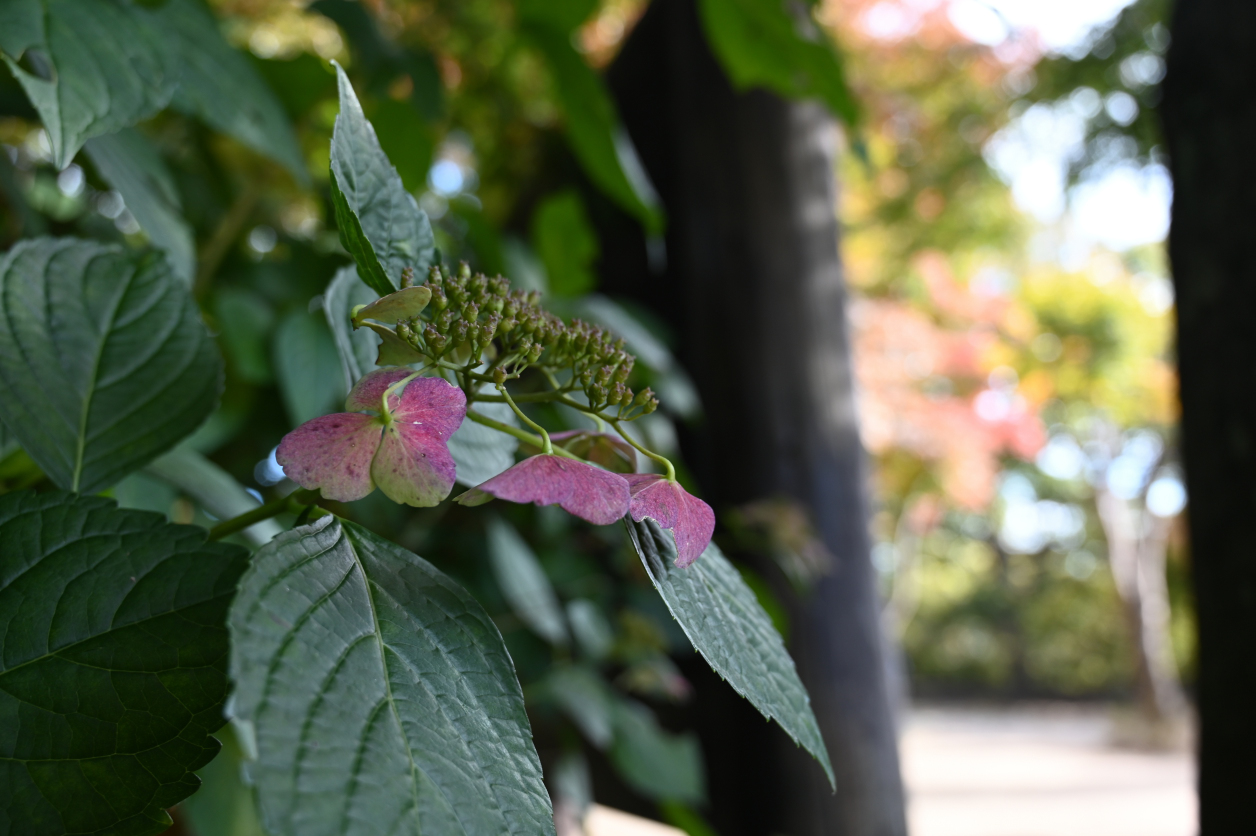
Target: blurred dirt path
{"points": [[1042, 770]]}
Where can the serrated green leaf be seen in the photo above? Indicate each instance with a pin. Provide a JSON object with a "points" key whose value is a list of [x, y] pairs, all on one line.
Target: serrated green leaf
{"points": [[761, 44], [726, 624], [104, 361], [382, 697], [482, 452], [213, 488], [224, 805], [113, 651], [357, 349], [102, 65], [593, 128], [219, 85], [381, 224], [523, 582], [306, 365], [129, 162]]}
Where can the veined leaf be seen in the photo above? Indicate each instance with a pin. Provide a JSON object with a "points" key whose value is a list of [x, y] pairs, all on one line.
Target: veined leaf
{"points": [[113, 655], [219, 85], [104, 360], [381, 695], [727, 625], [100, 66], [131, 164], [381, 224], [760, 44], [594, 130], [523, 582]]}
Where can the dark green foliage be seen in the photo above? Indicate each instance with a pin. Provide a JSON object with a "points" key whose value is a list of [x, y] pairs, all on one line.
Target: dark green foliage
{"points": [[104, 360], [380, 223], [726, 624], [593, 127], [219, 85], [381, 693], [94, 66], [759, 44], [113, 653]]}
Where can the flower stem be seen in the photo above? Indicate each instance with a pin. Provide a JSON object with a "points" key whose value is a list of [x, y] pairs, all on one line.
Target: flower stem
{"points": [[547, 446], [262, 512], [522, 435], [671, 471]]}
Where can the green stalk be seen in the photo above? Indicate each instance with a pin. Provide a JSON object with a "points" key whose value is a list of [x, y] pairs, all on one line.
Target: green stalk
{"points": [[262, 512]]}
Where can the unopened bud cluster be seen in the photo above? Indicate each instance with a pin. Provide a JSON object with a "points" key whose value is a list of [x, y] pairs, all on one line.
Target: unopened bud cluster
{"points": [[471, 317]]}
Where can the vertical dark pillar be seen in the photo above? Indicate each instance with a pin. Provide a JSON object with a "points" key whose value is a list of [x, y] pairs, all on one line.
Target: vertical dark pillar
{"points": [[1210, 123], [753, 286]]}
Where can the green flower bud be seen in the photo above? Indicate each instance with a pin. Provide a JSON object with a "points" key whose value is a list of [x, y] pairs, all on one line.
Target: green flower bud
{"points": [[644, 397], [464, 270], [407, 277], [534, 353], [499, 375], [650, 406]]}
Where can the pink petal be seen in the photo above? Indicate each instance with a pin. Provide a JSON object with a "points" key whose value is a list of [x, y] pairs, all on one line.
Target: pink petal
{"points": [[597, 495], [332, 453], [413, 468], [413, 465], [691, 520], [368, 392], [578, 488]]}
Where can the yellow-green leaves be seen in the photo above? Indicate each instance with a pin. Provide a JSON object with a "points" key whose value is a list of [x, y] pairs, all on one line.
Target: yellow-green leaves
{"points": [[404, 304], [104, 361]]}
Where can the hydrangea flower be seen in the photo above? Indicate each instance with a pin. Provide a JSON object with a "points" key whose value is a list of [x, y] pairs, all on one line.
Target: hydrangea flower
{"points": [[691, 520], [401, 449], [578, 488]]}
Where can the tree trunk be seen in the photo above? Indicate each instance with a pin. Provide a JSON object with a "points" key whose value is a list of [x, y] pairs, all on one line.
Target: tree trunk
{"points": [[1210, 124], [753, 287], [1137, 544]]}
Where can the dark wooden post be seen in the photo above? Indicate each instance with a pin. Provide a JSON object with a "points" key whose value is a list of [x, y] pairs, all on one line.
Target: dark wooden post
{"points": [[753, 286], [1210, 122]]}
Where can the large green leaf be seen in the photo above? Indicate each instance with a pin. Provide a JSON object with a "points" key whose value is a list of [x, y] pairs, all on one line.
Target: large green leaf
{"points": [[593, 127], [523, 582], [96, 66], [104, 360], [380, 693], [727, 625], [762, 43], [307, 366], [219, 85], [113, 656], [131, 164], [381, 224]]}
